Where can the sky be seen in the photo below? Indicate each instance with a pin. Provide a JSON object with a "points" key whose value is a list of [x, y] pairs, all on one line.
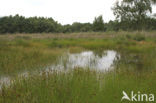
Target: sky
{"points": [[63, 11]]}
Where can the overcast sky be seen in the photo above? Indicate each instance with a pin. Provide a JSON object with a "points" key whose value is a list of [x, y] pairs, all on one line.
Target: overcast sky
{"points": [[63, 11]]}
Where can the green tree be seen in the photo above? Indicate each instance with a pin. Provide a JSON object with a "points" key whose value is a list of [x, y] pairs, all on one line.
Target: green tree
{"points": [[132, 12], [98, 24], [112, 25]]}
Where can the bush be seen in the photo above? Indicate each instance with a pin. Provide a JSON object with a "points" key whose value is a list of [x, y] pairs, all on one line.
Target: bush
{"points": [[139, 38], [128, 36]]}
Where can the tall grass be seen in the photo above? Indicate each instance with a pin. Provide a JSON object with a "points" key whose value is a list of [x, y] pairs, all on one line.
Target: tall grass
{"points": [[78, 86], [134, 71], [20, 55]]}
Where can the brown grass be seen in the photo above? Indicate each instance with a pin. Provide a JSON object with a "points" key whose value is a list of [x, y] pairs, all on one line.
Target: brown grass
{"points": [[77, 35]]}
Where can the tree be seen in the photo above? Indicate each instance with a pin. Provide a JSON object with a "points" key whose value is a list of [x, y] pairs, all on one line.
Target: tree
{"points": [[98, 24], [112, 25], [133, 12]]}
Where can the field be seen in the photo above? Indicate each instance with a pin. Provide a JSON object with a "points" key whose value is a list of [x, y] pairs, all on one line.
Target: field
{"points": [[134, 71]]}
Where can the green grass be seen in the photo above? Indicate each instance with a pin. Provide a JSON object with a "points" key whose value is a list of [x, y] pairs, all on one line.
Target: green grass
{"points": [[135, 71], [78, 86], [17, 56]]}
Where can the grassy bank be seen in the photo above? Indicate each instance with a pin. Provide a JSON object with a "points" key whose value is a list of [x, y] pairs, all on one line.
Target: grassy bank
{"points": [[136, 69]]}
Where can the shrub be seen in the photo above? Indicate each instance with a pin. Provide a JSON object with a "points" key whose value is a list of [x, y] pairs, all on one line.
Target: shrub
{"points": [[139, 38]]}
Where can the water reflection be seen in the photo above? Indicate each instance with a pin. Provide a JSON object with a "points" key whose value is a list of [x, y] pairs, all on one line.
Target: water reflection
{"points": [[90, 60], [86, 59]]}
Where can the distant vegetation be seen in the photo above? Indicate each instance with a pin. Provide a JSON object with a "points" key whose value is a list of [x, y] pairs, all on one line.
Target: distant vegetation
{"points": [[130, 15], [20, 24]]}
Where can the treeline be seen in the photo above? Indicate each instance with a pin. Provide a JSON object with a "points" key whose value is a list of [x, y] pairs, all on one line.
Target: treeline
{"points": [[20, 24], [130, 15]]}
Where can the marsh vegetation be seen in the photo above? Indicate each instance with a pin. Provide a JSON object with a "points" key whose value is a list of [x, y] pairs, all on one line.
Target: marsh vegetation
{"points": [[133, 68]]}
